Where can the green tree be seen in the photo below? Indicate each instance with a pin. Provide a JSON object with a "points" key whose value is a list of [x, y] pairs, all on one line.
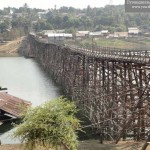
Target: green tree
{"points": [[51, 125], [4, 26]]}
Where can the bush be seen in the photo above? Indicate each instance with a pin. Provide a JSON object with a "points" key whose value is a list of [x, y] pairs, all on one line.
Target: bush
{"points": [[51, 125]]}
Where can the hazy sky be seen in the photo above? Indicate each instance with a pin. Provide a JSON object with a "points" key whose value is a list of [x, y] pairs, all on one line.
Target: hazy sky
{"points": [[45, 4]]}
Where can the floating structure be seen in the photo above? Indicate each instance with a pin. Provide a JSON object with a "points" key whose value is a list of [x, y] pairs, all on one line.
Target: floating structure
{"points": [[11, 107]]}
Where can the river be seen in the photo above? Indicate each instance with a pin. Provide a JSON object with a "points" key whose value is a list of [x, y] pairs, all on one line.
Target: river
{"points": [[25, 79]]}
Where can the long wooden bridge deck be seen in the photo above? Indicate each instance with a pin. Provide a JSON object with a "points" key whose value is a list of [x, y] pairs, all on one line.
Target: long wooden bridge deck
{"points": [[111, 86], [116, 54], [138, 56]]}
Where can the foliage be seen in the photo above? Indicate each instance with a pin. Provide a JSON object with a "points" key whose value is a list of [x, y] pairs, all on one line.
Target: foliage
{"points": [[112, 18], [42, 25], [12, 34], [4, 26], [109, 17], [50, 125]]}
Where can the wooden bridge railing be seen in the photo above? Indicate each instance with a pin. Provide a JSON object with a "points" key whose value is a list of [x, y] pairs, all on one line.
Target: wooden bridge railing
{"points": [[116, 54], [142, 56]]}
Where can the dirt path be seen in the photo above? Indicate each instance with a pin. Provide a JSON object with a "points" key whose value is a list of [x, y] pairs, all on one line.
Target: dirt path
{"points": [[90, 145], [11, 46], [15, 147]]}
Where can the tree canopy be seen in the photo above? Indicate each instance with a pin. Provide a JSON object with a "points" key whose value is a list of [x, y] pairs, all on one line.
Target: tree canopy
{"points": [[112, 18], [51, 125]]}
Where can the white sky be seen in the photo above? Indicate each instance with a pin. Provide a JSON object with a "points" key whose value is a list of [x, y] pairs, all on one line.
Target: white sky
{"points": [[45, 4]]}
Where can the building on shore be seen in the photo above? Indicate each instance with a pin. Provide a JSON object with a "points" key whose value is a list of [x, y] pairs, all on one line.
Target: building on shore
{"points": [[134, 31], [11, 107], [58, 37]]}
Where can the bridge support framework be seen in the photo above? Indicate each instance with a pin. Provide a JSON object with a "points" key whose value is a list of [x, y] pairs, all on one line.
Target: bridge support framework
{"points": [[115, 95]]}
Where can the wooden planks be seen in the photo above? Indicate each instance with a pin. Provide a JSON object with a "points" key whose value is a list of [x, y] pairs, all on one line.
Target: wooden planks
{"points": [[11, 104]]}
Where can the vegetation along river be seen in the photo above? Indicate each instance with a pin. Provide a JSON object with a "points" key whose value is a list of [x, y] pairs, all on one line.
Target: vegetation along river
{"points": [[25, 79]]}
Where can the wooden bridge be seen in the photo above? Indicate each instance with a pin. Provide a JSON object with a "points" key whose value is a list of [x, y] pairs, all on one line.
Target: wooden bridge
{"points": [[111, 86]]}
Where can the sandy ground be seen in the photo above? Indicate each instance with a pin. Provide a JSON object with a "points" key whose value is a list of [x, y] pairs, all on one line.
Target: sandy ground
{"points": [[130, 145], [122, 145], [11, 47], [10, 147], [90, 145], [16, 147]]}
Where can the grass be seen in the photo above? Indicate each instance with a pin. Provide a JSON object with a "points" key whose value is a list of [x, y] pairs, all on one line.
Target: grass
{"points": [[120, 43]]}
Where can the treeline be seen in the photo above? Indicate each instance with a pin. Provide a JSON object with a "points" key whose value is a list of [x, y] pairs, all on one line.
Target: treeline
{"points": [[112, 18], [16, 22]]}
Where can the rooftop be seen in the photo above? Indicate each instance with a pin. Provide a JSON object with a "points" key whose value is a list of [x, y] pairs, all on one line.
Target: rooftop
{"points": [[59, 35], [11, 104]]}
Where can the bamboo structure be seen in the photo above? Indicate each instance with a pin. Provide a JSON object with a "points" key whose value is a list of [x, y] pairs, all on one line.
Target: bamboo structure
{"points": [[111, 86]]}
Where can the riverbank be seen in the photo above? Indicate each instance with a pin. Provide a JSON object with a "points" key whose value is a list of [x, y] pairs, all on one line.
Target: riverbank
{"points": [[90, 145], [11, 48], [15, 147]]}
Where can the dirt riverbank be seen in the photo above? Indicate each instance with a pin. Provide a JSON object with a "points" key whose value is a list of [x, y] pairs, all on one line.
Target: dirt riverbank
{"points": [[11, 47], [90, 145]]}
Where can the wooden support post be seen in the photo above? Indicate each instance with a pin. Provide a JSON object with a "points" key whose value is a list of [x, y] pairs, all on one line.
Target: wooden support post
{"points": [[111, 87]]}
